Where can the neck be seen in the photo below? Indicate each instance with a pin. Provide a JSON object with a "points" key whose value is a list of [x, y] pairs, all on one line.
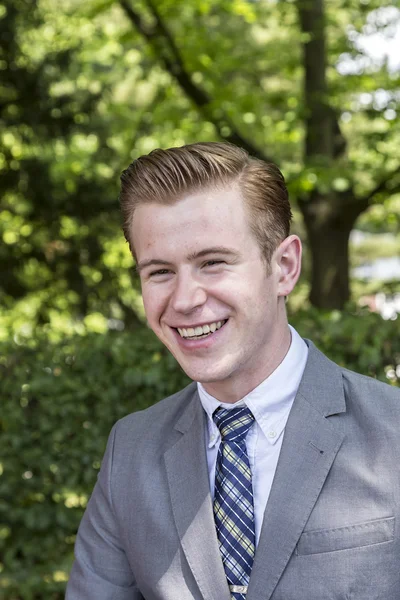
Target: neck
{"points": [[236, 387]]}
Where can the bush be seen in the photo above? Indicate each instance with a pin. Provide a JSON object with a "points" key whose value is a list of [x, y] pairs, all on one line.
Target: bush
{"points": [[356, 339], [59, 402], [58, 406]]}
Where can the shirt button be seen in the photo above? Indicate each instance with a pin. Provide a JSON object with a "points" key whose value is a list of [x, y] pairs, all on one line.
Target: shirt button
{"points": [[271, 434], [212, 438]]}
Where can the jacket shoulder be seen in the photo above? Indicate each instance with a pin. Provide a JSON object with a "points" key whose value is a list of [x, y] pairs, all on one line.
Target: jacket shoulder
{"points": [[369, 386], [159, 415], [330, 387]]}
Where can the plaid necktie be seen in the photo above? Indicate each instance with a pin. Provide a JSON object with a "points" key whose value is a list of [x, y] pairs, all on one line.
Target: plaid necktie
{"points": [[233, 499]]}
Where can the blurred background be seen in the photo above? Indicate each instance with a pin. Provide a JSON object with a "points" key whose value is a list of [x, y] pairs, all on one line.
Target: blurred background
{"points": [[86, 86]]}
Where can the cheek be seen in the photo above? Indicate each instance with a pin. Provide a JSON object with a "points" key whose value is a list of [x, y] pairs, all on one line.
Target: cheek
{"points": [[235, 292], [155, 302], [227, 287], [150, 302]]}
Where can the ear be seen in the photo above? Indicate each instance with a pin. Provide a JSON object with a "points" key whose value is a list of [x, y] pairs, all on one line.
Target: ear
{"points": [[288, 261]]}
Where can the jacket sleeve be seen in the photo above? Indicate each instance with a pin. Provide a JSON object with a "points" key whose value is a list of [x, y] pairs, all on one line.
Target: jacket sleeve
{"points": [[101, 570]]}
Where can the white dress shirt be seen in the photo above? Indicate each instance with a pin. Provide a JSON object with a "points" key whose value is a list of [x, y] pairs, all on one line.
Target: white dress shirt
{"points": [[270, 402]]}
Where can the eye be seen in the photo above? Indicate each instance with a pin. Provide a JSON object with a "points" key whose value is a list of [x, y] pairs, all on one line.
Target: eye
{"points": [[159, 272], [212, 263]]}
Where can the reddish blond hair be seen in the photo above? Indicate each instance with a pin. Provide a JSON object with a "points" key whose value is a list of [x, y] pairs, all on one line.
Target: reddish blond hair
{"points": [[165, 176]]}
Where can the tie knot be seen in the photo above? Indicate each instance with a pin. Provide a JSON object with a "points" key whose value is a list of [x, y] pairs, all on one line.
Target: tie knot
{"points": [[233, 424]]}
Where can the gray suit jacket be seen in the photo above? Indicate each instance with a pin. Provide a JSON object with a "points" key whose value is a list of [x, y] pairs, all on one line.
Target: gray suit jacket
{"points": [[331, 525]]}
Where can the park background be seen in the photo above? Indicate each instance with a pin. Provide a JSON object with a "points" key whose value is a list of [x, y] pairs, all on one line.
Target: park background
{"points": [[86, 86]]}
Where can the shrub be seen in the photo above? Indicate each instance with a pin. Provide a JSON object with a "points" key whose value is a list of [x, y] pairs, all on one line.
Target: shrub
{"points": [[358, 340], [59, 402], [58, 406]]}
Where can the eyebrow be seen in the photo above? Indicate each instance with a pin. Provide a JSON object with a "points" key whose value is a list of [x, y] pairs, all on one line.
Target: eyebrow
{"points": [[191, 257]]}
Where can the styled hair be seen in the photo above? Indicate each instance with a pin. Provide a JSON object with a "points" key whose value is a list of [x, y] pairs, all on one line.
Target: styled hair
{"points": [[165, 176]]}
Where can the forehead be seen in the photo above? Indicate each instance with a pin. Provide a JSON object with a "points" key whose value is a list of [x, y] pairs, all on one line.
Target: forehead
{"points": [[199, 219]]}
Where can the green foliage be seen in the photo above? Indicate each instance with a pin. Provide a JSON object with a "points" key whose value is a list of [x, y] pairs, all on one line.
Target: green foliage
{"points": [[58, 405], [355, 339], [83, 92], [62, 255], [384, 216], [59, 402]]}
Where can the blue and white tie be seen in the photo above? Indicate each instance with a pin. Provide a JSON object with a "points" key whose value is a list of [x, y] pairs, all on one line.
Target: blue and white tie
{"points": [[233, 499]]}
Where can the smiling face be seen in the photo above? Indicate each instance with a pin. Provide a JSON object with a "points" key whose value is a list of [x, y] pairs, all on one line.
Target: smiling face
{"points": [[207, 292]]}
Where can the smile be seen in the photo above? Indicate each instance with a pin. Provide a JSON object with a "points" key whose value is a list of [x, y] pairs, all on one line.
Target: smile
{"points": [[195, 333]]}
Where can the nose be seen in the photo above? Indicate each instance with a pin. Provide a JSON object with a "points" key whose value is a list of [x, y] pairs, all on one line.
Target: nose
{"points": [[188, 294]]}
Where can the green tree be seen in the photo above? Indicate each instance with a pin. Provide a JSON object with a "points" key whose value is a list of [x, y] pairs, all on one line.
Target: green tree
{"points": [[58, 203], [86, 87], [249, 67]]}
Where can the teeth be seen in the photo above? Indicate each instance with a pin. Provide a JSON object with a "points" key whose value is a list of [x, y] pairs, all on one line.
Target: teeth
{"points": [[195, 332]]}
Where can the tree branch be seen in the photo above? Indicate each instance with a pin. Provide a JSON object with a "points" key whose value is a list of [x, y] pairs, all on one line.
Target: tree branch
{"points": [[390, 184], [323, 135], [160, 38]]}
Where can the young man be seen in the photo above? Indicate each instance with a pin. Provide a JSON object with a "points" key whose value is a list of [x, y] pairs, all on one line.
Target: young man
{"points": [[274, 476]]}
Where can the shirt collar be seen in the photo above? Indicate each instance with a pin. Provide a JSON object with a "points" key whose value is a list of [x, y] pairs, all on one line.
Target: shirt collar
{"points": [[271, 401]]}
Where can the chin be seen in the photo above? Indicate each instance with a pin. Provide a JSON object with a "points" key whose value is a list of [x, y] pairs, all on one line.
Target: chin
{"points": [[204, 375], [200, 375]]}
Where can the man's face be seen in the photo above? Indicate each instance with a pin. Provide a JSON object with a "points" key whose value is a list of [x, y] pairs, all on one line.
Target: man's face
{"points": [[207, 292]]}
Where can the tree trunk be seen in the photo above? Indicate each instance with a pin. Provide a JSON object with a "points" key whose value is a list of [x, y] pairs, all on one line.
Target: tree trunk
{"points": [[329, 221], [328, 218], [330, 274]]}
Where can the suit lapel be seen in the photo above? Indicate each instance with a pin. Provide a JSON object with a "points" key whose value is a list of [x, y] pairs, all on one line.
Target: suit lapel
{"points": [[189, 488], [311, 442]]}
